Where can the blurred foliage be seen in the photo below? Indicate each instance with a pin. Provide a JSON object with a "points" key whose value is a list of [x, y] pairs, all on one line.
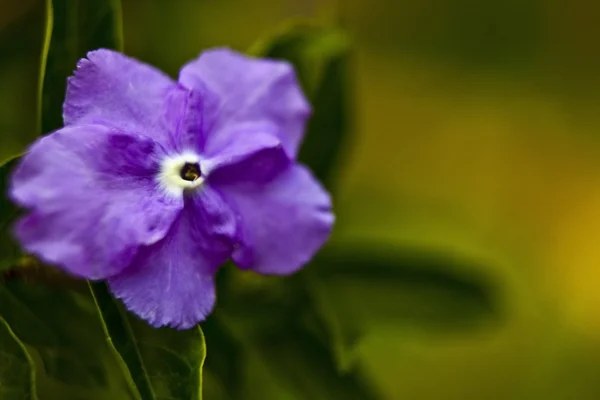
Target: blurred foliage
{"points": [[17, 371], [359, 292], [163, 363], [21, 33], [274, 342], [9, 250], [57, 322]]}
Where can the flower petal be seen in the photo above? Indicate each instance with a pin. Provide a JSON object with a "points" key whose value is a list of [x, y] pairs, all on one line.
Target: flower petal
{"points": [[251, 90], [109, 88], [93, 199], [251, 152], [171, 282], [283, 223]]}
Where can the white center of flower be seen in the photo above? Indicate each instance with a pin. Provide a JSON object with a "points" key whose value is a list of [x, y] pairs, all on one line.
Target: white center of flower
{"points": [[180, 173]]}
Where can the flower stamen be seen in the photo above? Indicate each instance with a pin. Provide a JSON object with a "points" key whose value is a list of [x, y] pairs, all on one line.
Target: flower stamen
{"points": [[190, 172], [181, 173]]}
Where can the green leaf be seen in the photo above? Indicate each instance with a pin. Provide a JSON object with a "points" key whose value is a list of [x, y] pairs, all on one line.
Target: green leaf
{"points": [[10, 252], [49, 22], [293, 361], [55, 318], [20, 42], [79, 26], [164, 363], [320, 57], [361, 289], [223, 368], [280, 345], [17, 370]]}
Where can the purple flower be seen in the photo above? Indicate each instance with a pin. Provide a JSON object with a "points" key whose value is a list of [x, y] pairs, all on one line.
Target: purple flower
{"points": [[152, 184]]}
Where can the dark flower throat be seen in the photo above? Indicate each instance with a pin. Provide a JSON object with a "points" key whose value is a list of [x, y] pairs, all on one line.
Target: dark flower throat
{"points": [[190, 172]]}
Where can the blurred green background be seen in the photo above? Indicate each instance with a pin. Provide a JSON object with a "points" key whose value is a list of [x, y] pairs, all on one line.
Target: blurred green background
{"points": [[476, 146]]}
